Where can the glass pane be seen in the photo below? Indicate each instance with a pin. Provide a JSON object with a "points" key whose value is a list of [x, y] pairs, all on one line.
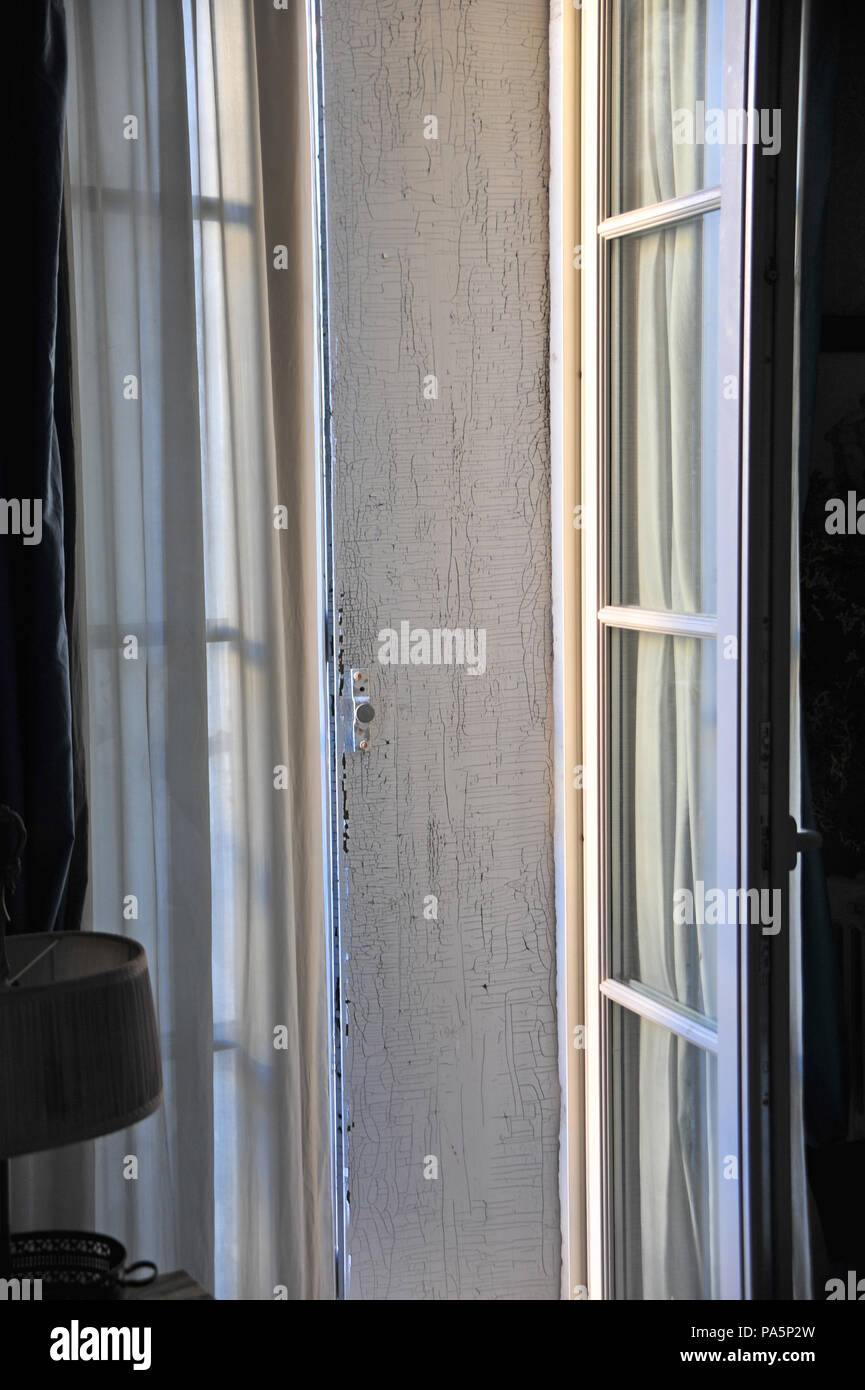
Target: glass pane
{"points": [[665, 389], [664, 1158], [666, 81], [662, 817]]}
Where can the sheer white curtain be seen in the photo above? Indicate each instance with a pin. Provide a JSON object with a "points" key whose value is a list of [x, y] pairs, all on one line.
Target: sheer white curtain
{"points": [[676, 1109], [189, 137]]}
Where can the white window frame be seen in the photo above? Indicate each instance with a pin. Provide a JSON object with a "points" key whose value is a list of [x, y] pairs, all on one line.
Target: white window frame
{"points": [[565, 397], [582, 617]]}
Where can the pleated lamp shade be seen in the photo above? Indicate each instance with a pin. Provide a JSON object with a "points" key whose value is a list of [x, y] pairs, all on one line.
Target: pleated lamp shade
{"points": [[79, 1046]]}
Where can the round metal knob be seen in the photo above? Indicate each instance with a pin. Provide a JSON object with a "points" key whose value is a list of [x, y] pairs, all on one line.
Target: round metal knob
{"points": [[364, 714]]}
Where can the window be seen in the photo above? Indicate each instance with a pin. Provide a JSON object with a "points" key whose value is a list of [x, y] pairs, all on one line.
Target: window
{"points": [[661, 463]]}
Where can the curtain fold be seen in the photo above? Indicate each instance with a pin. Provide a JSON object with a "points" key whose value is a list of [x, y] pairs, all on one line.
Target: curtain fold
{"points": [[190, 174], [676, 1104], [41, 773]]}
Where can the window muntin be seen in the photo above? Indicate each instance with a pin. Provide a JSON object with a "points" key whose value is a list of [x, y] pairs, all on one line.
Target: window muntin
{"points": [[663, 364]]}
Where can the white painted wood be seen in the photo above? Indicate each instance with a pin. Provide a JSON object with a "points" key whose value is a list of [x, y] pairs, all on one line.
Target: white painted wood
{"points": [[731, 675], [666, 214], [647, 620], [654, 1011], [438, 256], [565, 280], [592, 446], [599, 232], [322, 547]]}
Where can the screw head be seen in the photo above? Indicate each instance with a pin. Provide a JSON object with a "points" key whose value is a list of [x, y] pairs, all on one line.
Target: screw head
{"points": [[358, 677], [364, 743]]}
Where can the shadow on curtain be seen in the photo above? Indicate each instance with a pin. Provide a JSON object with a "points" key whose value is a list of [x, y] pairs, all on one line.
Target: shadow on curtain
{"points": [[41, 752]]}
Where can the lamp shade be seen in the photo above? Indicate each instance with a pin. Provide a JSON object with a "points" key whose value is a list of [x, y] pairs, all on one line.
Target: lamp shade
{"points": [[79, 1046]]}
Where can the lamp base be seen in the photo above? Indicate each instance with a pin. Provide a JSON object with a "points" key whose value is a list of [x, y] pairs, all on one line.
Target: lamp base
{"points": [[74, 1265]]}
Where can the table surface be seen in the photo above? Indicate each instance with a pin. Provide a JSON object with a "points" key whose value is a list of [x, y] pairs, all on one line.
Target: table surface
{"points": [[176, 1285]]}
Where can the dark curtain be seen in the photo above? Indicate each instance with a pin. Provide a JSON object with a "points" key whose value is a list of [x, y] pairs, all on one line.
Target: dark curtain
{"points": [[41, 769]]}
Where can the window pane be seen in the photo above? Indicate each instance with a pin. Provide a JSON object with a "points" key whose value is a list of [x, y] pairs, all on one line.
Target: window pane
{"points": [[664, 1159], [663, 418], [666, 78], [662, 816]]}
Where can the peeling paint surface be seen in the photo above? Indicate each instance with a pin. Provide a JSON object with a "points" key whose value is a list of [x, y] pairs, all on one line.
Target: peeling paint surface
{"points": [[438, 268]]}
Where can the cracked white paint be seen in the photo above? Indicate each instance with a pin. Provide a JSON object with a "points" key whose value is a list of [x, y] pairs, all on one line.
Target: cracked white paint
{"points": [[438, 267]]}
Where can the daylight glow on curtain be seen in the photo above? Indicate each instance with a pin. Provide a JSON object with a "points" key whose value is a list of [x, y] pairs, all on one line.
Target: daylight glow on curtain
{"points": [[189, 157], [664, 324]]}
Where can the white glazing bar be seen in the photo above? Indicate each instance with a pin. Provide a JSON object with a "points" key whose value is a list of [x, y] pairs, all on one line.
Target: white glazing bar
{"points": [[665, 214], [664, 1015], [647, 620]]}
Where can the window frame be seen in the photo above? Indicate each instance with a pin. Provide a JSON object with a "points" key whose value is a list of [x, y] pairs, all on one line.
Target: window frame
{"points": [[730, 1041], [565, 453]]}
